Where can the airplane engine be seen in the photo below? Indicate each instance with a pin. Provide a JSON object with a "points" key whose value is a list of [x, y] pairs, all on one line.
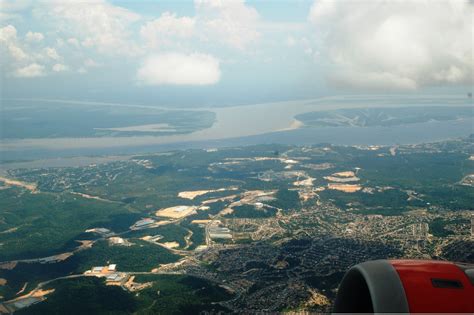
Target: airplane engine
{"points": [[407, 286]]}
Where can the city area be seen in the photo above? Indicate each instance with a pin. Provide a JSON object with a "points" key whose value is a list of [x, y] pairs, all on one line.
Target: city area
{"points": [[259, 228]]}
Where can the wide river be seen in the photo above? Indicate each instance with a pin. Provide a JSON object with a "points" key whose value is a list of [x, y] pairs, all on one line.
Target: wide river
{"points": [[259, 123]]}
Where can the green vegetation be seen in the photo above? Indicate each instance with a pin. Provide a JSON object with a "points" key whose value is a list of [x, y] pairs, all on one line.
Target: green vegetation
{"points": [[414, 171], [42, 224], [52, 120], [142, 256], [33, 273], [248, 211], [286, 200], [369, 117], [170, 233], [168, 295], [434, 176], [438, 226], [87, 295], [180, 295], [198, 237], [388, 202]]}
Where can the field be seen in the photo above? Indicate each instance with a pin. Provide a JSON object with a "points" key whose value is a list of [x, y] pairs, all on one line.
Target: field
{"points": [[176, 212]]}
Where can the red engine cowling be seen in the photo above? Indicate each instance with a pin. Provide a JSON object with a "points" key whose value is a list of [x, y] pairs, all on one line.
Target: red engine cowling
{"points": [[407, 286]]}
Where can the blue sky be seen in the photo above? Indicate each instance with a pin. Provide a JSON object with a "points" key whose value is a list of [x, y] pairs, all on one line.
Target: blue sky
{"points": [[213, 52]]}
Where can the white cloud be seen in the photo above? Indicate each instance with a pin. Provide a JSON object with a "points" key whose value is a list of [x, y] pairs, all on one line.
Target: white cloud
{"points": [[30, 71], [51, 53], [290, 41], [166, 28], [90, 63], [179, 69], [17, 53], [73, 42], [59, 67], [87, 64], [10, 45], [229, 21], [21, 59], [9, 10], [8, 33], [95, 23], [397, 44], [14, 6], [34, 37]]}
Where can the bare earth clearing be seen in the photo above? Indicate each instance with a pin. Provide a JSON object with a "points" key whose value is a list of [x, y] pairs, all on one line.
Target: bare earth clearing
{"points": [[12, 182], [176, 212], [195, 193], [349, 188]]}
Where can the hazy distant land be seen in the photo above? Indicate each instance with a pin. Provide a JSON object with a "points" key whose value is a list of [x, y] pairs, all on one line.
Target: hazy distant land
{"points": [[386, 117], [36, 129]]}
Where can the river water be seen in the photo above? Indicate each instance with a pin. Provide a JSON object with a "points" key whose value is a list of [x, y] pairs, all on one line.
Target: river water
{"points": [[256, 124]]}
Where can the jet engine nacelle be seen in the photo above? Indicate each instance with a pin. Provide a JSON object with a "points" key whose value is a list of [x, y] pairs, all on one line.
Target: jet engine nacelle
{"points": [[407, 286]]}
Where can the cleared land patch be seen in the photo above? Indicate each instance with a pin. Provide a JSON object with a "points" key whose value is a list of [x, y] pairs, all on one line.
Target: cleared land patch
{"points": [[12, 182], [349, 188], [196, 193], [304, 182], [170, 245], [176, 212], [343, 179]]}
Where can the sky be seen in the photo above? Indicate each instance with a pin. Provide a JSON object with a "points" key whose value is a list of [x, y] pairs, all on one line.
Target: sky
{"points": [[226, 52]]}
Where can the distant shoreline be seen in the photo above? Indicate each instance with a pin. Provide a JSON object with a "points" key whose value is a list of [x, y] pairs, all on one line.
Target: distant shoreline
{"points": [[240, 125]]}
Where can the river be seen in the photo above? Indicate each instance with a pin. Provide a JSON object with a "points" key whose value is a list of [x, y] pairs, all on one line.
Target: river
{"points": [[259, 123]]}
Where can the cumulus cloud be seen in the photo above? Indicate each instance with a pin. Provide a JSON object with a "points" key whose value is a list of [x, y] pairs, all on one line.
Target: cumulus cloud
{"points": [[73, 42], [24, 60], [396, 44], [10, 45], [51, 53], [59, 67], [95, 24], [179, 69], [101, 29], [34, 37], [8, 33], [166, 28], [30, 71], [229, 21], [90, 63], [17, 53]]}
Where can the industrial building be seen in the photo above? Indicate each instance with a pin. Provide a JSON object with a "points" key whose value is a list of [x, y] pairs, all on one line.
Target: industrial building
{"points": [[216, 232]]}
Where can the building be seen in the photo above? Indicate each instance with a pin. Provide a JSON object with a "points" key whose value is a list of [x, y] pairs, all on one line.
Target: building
{"points": [[115, 277], [216, 232], [97, 269], [143, 223], [472, 226], [98, 231]]}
